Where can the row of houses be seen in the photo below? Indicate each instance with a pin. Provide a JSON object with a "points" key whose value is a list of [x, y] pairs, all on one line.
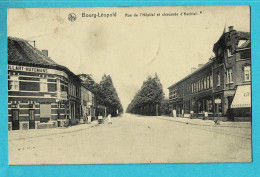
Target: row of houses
{"points": [[42, 93], [220, 87]]}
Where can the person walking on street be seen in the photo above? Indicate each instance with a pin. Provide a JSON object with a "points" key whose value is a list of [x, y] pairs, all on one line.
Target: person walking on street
{"points": [[89, 119], [100, 119], [109, 119]]}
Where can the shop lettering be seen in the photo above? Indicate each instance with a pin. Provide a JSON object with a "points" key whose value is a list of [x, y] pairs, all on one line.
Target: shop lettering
{"points": [[26, 69]]}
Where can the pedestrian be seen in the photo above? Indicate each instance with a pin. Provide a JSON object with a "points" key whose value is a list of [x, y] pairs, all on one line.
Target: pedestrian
{"points": [[191, 114], [100, 119], [109, 119], [89, 119]]}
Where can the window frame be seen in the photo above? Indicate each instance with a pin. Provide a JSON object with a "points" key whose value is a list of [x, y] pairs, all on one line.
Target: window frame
{"points": [[43, 85], [218, 79], [14, 83], [248, 69]]}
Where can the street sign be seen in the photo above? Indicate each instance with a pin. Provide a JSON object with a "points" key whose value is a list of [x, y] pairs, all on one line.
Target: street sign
{"points": [[217, 101]]}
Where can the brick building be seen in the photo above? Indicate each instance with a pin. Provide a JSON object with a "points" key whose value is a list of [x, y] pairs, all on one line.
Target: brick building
{"points": [[221, 86], [87, 103], [41, 93]]}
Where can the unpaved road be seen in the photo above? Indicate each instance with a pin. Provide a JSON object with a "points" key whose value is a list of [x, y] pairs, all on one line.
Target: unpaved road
{"points": [[133, 139]]}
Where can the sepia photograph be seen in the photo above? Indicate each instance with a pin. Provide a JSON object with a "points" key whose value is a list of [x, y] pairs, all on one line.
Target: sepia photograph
{"points": [[129, 85]]}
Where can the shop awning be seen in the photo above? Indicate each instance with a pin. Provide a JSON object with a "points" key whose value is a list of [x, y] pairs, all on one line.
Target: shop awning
{"points": [[242, 97]]}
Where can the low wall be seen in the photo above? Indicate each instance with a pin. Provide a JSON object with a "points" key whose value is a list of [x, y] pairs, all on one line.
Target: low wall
{"points": [[51, 124]]}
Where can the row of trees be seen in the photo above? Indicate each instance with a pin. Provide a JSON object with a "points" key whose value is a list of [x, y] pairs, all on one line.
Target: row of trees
{"points": [[149, 100], [105, 93]]}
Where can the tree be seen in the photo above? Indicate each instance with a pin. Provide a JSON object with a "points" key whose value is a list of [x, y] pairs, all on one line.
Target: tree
{"points": [[148, 99], [111, 99], [94, 87]]}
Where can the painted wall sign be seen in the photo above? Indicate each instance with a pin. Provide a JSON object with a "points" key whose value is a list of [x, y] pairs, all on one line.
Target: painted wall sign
{"points": [[36, 70], [26, 69]]}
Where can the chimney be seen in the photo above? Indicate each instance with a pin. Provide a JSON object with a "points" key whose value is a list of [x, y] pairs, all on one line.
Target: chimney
{"points": [[200, 65], [45, 52], [230, 28], [193, 69]]}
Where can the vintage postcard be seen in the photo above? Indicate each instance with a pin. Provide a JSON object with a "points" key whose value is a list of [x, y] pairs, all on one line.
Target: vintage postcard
{"points": [[121, 85]]}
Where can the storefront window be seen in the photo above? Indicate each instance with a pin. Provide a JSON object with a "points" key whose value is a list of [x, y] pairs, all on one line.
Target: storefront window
{"points": [[45, 112]]}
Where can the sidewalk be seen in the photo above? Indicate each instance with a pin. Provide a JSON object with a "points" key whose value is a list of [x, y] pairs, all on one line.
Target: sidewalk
{"points": [[207, 122], [34, 133]]}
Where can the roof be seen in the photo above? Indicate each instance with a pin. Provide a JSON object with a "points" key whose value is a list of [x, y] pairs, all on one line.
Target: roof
{"points": [[20, 51], [196, 71], [246, 44]]}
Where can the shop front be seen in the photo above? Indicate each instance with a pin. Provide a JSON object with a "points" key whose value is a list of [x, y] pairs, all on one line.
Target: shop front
{"points": [[241, 104]]}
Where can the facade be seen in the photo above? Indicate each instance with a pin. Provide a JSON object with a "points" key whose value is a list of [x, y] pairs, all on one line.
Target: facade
{"points": [[222, 86], [93, 108], [87, 103], [74, 99], [41, 93]]}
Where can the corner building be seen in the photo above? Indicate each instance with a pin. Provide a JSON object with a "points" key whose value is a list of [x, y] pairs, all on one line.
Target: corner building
{"points": [[41, 93], [220, 87]]}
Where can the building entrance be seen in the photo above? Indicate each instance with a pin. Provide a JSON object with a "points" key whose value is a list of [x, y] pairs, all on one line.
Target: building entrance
{"points": [[31, 119], [15, 119]]}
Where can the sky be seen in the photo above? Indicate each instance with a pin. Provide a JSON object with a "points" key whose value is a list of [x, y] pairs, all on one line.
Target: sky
{"points": [[129, 49]]}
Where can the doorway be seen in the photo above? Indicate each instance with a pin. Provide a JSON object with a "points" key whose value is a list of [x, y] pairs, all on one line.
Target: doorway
{"points": [[31, 119], [15, 119]]}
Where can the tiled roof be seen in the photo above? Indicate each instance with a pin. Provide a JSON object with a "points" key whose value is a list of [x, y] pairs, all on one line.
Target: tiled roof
{"points": [[193, 73], [20, 50]]}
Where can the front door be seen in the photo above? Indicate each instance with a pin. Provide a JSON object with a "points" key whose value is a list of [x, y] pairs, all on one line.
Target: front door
{"points": [[31, 119], [15, 119]]}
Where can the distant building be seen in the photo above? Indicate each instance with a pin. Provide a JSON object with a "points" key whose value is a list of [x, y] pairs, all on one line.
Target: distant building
{"points": [[87, 103], [41, 93], [92, 107], [222, 85]]}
